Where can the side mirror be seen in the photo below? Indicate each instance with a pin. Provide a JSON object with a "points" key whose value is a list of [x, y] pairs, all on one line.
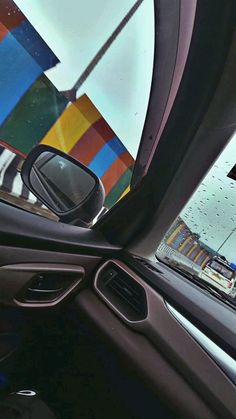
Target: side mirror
{"points": [[68, 188]]}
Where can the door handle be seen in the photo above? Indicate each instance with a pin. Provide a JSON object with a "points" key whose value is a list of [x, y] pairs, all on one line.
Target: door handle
{"points": [[41, 284], [45, 291], [49, 286]]}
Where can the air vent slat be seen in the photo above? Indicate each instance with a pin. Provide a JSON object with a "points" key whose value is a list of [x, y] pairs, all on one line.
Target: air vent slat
{"points": [[133, 303], [123, 292], [122, 283], [130, 288]]}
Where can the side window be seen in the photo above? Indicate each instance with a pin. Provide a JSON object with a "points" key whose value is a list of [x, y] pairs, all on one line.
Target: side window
{"points": [[82, 92], [201, 242]]}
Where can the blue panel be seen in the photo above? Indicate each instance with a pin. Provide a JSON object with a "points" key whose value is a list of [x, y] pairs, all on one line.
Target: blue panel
{"points": [[18, 70], [106, 156], [117, 146], [30, 39]]}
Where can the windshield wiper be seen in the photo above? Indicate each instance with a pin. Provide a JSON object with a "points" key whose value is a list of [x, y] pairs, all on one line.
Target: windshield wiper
{"points": [[204, 285]]}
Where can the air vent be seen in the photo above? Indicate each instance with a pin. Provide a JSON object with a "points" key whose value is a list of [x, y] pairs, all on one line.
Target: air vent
{"points": [[123, 292]]}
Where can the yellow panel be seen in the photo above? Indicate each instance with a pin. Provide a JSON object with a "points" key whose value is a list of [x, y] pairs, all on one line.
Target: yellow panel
{"points": [[124, 193], [191, 250], [186, 241], [198, 255], [174, 234], [205, 262], [70, 127]]}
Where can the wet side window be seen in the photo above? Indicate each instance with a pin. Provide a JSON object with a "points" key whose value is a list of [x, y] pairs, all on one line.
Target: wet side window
{"points": [[202, 240]]}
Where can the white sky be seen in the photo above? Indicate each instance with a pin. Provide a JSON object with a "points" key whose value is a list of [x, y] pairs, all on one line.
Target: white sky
{"points": [[120, 84]]}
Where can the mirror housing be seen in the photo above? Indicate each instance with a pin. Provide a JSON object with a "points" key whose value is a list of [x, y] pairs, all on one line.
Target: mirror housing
{"points": [[64, 185]]}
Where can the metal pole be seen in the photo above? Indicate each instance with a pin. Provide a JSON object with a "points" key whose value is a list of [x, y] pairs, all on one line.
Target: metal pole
{"points": [[230, 234], [71, 94]]}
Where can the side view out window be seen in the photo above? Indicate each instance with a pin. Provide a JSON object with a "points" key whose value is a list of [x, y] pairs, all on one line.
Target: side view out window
{"points": [[202, 240]]}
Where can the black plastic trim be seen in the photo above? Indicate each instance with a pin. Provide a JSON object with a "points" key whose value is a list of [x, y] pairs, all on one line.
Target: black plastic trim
{"points": [[19, 228]]}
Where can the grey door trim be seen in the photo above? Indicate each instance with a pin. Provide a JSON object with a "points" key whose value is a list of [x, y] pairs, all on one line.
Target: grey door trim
{"points": [[224, 361]]}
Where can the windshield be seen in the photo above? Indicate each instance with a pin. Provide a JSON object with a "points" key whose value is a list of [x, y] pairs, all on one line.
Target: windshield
{"points": [[74, 75], [206, 228]]}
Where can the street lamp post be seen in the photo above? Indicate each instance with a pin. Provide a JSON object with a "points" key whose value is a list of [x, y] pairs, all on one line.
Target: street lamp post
{"points": [[230, 234]]}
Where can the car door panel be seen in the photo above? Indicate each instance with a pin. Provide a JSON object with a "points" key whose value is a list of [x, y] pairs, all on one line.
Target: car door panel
{"points": [[137, 351], [201, 380], [205, 310], [166, 356], [17, 267], [9, 343], [31, 245], [11, 337]]}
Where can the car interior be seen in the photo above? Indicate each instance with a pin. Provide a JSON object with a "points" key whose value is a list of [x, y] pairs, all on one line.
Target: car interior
{"points": [[92, 325]]}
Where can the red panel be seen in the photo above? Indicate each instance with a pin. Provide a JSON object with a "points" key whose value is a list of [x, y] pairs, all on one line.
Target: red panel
{"points": [[10, 15], [88, 146], [104, 130], [12, 149], [91, 142], [115, 171]]}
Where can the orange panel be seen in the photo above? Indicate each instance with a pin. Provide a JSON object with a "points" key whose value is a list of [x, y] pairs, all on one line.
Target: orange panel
{"points": [[3, 31], [115, 171]]}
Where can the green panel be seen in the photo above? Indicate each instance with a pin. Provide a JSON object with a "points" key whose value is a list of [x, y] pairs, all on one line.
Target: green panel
{"points": [[119, 188], [33, 116]]}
